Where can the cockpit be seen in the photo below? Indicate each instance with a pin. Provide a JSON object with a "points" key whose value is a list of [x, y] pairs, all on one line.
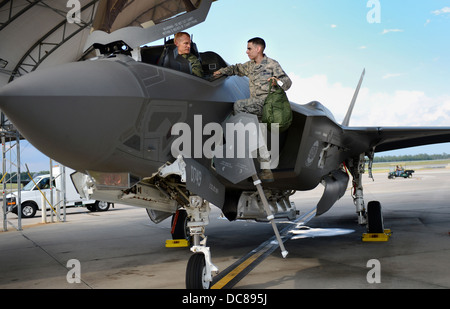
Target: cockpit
{"points": [[123, 28], [165, 55]]}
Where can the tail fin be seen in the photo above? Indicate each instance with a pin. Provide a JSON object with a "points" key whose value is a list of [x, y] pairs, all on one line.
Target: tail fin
{"points": [[352, 104]]}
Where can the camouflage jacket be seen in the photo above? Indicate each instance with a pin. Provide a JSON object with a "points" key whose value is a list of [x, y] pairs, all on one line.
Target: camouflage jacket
{"points": [[258, 75], [196, 66]]}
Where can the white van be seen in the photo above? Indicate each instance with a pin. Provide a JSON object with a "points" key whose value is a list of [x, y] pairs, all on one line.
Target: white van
{"points": [[31, 196]]}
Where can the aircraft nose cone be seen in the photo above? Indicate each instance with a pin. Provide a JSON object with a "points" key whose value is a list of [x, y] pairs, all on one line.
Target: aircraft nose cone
{"points": [[74, 113]]}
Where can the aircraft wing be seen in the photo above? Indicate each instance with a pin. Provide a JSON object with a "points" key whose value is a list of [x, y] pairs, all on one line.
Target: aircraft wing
{"points": [[391, 138]]}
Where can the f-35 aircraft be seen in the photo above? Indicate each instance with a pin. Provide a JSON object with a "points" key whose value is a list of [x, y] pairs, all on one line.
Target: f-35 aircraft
{"points": [[114, 118]]}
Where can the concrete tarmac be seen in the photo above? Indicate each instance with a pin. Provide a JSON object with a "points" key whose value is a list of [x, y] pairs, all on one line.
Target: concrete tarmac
{"points": [[122, 248]]}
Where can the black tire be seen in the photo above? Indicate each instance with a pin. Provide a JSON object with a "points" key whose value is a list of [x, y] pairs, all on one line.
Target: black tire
{"points": [[374, 218], [195, 273], [28, 209], [179, 225], [101, 206]]}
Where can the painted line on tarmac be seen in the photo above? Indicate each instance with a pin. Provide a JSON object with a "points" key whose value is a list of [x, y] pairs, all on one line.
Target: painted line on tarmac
{"points": [[239, 269]]}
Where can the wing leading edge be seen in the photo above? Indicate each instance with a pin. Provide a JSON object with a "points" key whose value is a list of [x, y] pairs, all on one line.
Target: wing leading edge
{"points": [[392, 138]]}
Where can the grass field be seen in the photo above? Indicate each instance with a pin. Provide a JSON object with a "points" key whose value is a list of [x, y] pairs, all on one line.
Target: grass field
{"points": [[9, 187]]}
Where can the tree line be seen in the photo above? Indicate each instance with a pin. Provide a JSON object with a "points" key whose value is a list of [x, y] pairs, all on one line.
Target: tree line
{"points": [[378, 159], [418, 157], [24, 178]]}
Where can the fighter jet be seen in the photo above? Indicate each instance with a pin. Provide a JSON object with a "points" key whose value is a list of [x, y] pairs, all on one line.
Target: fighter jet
{"points": [[142, 131]]}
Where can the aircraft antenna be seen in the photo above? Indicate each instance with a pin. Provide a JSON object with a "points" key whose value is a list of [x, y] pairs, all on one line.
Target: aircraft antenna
{"points": [[352, 104]]}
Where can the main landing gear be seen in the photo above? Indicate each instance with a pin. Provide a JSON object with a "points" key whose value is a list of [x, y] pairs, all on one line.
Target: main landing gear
{"points": [[372, 217]]}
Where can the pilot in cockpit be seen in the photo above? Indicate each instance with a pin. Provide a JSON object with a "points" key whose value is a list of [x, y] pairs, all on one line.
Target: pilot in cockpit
{"points": [[183, 43]]}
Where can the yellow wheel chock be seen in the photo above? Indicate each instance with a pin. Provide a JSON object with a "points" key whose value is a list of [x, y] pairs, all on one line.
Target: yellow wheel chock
{"points": [[377, 236], [177, 243]]}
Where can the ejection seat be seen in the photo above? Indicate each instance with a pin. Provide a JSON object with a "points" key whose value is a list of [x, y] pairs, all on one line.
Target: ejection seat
{"points": [[171, 59]]}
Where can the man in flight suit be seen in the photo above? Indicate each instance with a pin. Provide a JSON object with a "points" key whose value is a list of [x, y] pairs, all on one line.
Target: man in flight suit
{"points": [[183, 43], [260, 70]]}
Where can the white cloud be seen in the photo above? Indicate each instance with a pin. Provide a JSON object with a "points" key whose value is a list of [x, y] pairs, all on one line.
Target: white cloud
{"points": [[335, 97], [444, 10], [333, 26], [399, 108], [391, 30], [390, 75]]}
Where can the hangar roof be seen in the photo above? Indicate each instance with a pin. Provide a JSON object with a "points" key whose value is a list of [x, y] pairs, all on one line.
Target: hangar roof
{"points": [[36, 33]]}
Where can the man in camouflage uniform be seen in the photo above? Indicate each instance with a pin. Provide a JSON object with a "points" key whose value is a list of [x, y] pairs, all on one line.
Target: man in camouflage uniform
{"points": [[183, 43], [260, 70]]}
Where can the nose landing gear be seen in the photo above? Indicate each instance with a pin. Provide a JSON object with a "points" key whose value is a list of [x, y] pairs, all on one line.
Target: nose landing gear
{"points": [[200, 268]]}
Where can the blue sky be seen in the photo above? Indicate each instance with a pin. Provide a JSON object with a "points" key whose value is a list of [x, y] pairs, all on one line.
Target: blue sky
{"points": [[333, 37], [324, 45]]}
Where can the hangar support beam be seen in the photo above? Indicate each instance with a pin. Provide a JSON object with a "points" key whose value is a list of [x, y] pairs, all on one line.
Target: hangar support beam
{"points": [[12, 14], [11, 136], [54, 39]]}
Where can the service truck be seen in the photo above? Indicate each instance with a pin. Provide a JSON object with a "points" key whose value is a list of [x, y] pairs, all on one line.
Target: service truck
{"points": [[31, 194]]}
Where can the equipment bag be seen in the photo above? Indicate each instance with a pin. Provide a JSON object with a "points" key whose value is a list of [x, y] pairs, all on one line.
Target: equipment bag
{"points": [[277, 109]]}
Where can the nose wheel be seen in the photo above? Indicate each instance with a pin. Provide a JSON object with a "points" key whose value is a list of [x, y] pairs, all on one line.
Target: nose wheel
{"points": [[196, 273]]}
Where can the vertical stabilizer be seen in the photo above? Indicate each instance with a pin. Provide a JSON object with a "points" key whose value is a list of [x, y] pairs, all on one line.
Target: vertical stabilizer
{"points": [[352, 104]]}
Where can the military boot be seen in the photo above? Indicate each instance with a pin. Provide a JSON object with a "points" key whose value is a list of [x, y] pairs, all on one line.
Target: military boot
{"points": [[266, 175]]}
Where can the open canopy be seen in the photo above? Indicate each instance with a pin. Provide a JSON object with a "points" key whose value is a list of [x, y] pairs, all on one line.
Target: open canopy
{"points": [[138, 22], [113, 15]]}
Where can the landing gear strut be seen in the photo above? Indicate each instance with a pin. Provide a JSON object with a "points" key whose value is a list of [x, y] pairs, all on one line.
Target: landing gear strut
{"points": [[200, 269], [372, 217], [357, 168]]}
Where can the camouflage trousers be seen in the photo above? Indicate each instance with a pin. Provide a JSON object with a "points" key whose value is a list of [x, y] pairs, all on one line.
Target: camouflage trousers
{"points": [[255, 106]]}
